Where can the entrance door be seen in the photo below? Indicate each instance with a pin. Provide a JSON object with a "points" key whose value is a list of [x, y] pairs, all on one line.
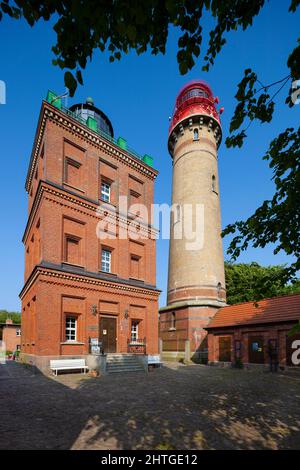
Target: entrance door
{"points": [[256, 350], [225, 349], [108, 334]]}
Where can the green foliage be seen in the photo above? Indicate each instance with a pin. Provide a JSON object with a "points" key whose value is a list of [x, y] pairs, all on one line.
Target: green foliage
{"points": [[295, 329], [277, 220], [252, 282], [15, 316]]}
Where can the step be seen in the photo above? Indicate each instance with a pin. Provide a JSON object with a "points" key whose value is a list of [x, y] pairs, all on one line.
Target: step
{"points": [[124, 366], [125, 363], [131, 369], [112, 355], [118, 363]]}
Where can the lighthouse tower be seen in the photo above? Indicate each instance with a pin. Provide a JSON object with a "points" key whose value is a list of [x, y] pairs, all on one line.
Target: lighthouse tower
{"points": [[196, 281]]}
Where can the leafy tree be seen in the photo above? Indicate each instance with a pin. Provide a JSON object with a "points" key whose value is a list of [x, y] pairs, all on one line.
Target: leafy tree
{"points": [[83, 26], [15, 316], [252, 282]]}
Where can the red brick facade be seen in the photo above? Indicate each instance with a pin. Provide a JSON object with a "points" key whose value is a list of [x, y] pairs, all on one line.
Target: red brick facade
{"points": [[63, 242], [11, 335]]}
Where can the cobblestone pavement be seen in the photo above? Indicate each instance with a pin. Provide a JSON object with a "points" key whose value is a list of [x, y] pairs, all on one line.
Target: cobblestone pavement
{"points": [[175, 407]]}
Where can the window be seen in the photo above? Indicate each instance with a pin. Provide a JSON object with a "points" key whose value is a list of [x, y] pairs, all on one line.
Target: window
{"points": [[177, 213], [134, 331], [71, 328], [18, 332], [72, 254], [106, 261], [196, 134], [173, 321], [194, 93], [213, 184], [105, 191]]}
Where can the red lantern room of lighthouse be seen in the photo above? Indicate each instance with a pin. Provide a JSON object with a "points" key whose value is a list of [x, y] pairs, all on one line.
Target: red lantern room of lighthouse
{"points": [[193, 100]]}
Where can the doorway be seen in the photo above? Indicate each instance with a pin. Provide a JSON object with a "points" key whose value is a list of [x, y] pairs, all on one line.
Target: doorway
{"points": [[108, 334], [225, 349], [256, 350]]}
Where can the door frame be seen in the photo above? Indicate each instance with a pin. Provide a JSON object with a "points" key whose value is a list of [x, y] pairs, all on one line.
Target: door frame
{"points": [[115, 317], [253, 339]]}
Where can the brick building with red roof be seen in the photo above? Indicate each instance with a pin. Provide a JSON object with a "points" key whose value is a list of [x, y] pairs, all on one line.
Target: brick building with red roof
{"points": [[248, 331]]}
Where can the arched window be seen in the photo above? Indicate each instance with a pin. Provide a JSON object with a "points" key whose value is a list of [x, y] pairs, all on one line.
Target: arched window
{"points": [[219, 287], [196, 134]]}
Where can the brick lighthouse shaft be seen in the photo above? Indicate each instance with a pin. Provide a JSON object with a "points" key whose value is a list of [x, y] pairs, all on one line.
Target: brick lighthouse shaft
{"points": [[196, 281]]}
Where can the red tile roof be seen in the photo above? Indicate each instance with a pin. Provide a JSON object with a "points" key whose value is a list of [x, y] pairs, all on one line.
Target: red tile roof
{"points": [[277, 309]]}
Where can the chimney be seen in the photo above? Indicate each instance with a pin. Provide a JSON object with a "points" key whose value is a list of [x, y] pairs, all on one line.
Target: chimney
{"points": [[9, 321]]}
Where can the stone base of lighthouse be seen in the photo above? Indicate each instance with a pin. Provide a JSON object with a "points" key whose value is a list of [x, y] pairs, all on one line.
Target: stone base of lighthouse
{"points": [[182, 333]]}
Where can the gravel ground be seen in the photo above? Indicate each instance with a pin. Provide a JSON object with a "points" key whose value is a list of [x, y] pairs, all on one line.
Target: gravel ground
{"points": [[175, 407]]}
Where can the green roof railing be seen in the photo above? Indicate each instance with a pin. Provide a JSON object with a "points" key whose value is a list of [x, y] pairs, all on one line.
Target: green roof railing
{"points": [[92, 124]]}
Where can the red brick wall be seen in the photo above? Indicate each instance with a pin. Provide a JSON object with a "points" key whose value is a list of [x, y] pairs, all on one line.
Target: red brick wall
{"points": [[9, 336], [244, 334]]}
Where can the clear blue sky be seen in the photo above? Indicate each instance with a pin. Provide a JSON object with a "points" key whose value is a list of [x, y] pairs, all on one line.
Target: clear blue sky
{"points": [[138, 95]]}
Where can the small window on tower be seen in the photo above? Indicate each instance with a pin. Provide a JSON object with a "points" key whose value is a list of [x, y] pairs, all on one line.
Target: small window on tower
{"points": [[214, 184], [177, 213], [196, 134], [173, 321]]}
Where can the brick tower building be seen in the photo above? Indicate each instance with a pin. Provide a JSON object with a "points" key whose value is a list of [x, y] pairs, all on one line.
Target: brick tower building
{"points": [[89, 263], [196, 282]]}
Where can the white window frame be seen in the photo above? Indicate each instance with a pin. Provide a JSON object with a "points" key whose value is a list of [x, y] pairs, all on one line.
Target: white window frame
{"points": [[105, 191], [105, 260], [71, 330], [18, 332], [134, 332]]}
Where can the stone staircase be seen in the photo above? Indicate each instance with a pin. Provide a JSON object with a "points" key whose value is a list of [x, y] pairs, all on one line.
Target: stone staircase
{"points": [[124, 363]]}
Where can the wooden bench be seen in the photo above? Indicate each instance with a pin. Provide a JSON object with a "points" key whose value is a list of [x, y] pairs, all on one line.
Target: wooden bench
{"points": [[67, 364], [154, 360]]}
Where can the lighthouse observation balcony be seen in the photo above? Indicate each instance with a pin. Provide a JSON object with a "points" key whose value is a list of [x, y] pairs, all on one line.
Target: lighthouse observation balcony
{"points": [[96, 125]]}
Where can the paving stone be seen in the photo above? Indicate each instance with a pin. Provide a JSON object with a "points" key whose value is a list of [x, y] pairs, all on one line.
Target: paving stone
{"points": [[175, 407]]}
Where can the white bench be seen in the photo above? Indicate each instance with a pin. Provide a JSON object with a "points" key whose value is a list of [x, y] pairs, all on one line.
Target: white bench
{"points": [[154, 360], [67, 364]]}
